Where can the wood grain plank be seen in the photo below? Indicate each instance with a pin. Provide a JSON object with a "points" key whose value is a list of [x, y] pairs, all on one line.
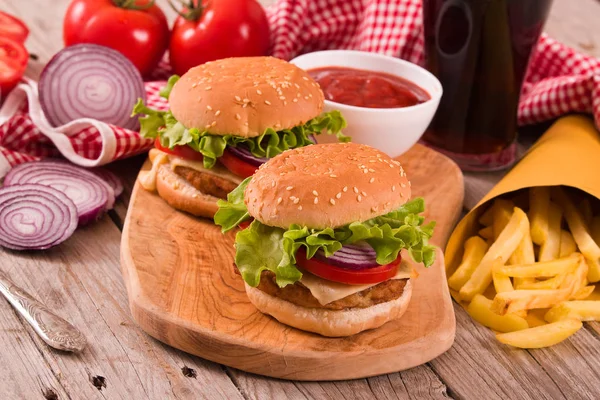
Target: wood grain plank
{"points": [[24, 372], [83, 282]]}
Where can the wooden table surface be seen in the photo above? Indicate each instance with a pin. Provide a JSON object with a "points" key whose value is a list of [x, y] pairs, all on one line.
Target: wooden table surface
{"points": [[81, 279]]}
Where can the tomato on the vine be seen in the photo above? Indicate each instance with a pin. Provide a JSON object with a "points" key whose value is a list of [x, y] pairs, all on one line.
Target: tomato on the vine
{"points": [[334, 273], [138, 29], [211, 30]]}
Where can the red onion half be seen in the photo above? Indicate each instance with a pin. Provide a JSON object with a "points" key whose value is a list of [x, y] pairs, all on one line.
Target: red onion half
{"points": [[355, 257], [91, 195], [90, 81], [35, 217], [113, 181]]}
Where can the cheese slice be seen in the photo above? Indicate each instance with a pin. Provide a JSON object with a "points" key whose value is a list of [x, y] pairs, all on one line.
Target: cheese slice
{"points": [[327, 291], [148, 178]]}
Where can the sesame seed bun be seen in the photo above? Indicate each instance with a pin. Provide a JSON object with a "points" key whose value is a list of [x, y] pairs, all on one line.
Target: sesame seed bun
{"points": [[326, 186], [245, 96], [332, 323]]}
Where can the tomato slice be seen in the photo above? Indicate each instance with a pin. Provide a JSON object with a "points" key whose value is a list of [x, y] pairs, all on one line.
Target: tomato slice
{"points": [[348, 276], [236, 165], [243, 225], [13, 62], [12, 28], [180, 151]]}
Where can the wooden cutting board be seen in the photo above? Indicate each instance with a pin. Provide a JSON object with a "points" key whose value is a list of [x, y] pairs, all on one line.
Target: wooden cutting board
{"points": [[183, 291]]}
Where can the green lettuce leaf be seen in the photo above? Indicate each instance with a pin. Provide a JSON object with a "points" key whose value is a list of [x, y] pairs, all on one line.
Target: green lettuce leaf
{"points": [[387, 234], [232, 211], [259, 248], [171, 133]]}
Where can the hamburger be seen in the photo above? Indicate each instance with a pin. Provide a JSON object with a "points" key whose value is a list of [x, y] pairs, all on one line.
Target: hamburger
{"points": [[330, 225], [227, 118]]}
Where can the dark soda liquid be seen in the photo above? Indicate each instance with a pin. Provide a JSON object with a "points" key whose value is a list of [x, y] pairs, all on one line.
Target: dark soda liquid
{"points": [[479, 50]]}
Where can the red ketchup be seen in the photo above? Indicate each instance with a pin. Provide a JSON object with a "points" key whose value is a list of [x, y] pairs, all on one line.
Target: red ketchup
{"points": [[370, 89]]}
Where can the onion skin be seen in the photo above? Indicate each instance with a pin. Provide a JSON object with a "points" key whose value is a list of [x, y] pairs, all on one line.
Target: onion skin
{"points": [[35, 217]]}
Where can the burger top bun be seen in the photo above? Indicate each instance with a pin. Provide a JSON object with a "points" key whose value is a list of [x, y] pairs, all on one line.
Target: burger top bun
{"points": [[245, 96], [326, 186]]}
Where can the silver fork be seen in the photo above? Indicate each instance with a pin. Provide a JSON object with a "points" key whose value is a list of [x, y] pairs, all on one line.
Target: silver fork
{"points": [[53, 330]]}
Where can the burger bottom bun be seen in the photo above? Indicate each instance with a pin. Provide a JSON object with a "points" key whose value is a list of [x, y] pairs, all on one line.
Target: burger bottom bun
{"points": [[180, 194], [327, 322]]}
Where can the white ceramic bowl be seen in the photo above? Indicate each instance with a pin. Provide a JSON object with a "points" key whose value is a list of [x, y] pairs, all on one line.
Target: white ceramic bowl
{"points": [[392, 130]]}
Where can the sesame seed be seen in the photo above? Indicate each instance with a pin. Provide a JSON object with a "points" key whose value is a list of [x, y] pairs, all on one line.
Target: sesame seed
{"points": [[359, 198], [209, 108], [208, 88], [267, 102], [217, 113], [372, 161], [371, 180], [345, 189], [176, 185], [393, 188], [279, 200], [281, 97], [296, 200], [337, 196], [364, 194], [332, 201], [374, 208], [366, 171], [315, 192], [238, 98], [305, 78], [246, 100], [206, 126], [316, 200], [295, 100], [297, 86], [305, 97], [409, 184], [355, 189], [300, 208], [194, 85], [273, 184], [333, 176], [195, 195], [213, 123], [289, 188], [391, 165], [258, 91], [402, 185], [371, 170], [292, 198], [237, 116], [246, 123]]}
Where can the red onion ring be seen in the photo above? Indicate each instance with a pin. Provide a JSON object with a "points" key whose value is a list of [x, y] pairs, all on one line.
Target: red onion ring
{"points": [[354, 257], [91, 195], [35, 217], [242, 152], [113, 181], [90, 81]]}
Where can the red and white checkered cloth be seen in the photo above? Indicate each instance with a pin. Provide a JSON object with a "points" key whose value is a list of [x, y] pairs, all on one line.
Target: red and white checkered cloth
{"points": [[559, 79]]}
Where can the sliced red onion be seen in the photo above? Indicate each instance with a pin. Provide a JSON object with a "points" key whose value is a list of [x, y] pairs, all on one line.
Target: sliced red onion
{"points": [[35, 217], [91, 195], [113, 181], [355, 257], [90, 81]]}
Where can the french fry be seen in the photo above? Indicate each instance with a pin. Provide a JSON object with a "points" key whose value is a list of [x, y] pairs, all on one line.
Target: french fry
{"points": [[502, 282], [479, 310], [550, 249], [541, 336], [517, 300], [487, 232], [503, 210], [584, 292], [576, 278], [586, 211], [581, 233], [552, 283], [567, 244], [487, 217], [541, 269], [503, 247], [579, 310], [523, 254], [539, 204], [475, 248]]}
